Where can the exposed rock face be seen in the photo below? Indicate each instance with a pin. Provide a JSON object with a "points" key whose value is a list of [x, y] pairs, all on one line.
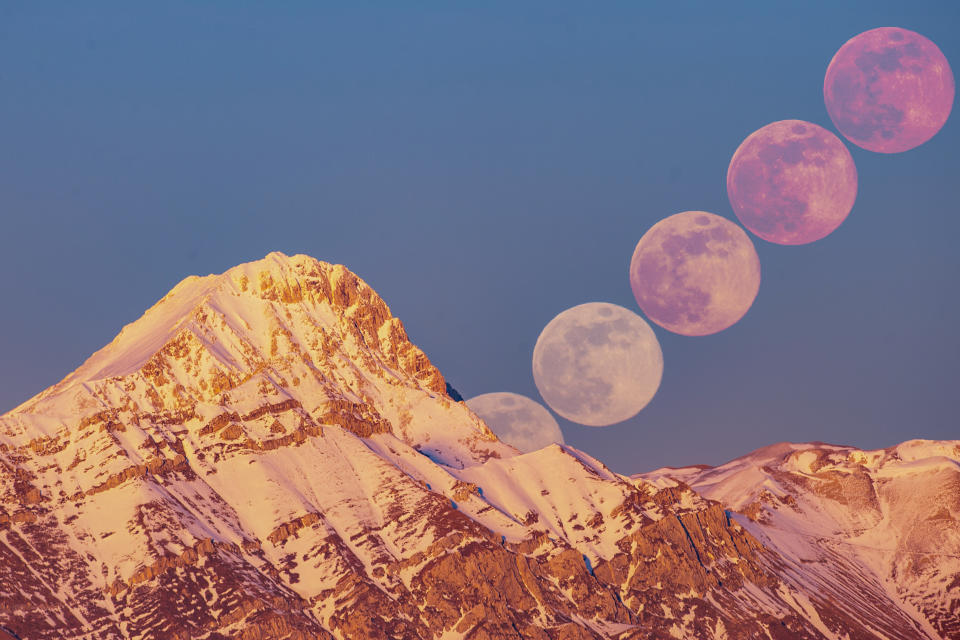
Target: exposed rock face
{"points": [[264, 454]]}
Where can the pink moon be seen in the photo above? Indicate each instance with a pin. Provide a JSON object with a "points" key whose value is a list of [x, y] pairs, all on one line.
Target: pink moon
{"points": [[695, 273], [888, 90], [792, 182]]}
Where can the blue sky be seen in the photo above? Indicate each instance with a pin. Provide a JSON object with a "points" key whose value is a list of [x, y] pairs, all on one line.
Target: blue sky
{"points": [[483, 166]]}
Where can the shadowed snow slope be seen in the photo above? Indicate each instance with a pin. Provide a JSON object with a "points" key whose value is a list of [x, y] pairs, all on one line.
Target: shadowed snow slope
{"points": [[264, 454]]}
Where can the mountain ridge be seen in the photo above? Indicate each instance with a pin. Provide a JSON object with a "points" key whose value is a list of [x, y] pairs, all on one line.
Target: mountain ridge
{"points": [[265, 454], [790, 495]]}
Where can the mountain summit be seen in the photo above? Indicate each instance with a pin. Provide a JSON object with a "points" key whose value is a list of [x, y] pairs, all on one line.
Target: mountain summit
{"points": [[264, 454], [291, 330]]}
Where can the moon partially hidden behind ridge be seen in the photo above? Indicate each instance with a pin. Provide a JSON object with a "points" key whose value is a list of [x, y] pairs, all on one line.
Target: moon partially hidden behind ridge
{"points": [[695, 273], [517, 420], [888, 89], [792, 182], [597, 364]]}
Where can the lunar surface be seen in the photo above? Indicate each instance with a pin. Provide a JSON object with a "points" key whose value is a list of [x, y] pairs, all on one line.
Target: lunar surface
{"points": [[888, 89], [597, 364], [792, 182], [517, 420], [695, 273]]}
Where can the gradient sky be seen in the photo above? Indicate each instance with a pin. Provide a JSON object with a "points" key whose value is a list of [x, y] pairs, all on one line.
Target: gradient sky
{"points": [[484, 166]]}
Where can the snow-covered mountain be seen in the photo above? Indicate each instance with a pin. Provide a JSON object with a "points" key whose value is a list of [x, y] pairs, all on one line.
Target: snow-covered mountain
{"points": [[264, 454], [875, 533]]}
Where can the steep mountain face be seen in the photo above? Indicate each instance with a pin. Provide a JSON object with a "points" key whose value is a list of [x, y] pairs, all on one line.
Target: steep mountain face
{"points": [[876, 533], [264, 454]]}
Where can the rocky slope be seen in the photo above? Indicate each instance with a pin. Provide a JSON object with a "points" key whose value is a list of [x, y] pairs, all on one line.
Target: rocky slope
{"points": [[264, 454], [877, 533]]}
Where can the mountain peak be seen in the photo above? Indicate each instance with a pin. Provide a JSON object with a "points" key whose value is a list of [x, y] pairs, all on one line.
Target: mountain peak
{"points": [[245, 290], [280, 329]]}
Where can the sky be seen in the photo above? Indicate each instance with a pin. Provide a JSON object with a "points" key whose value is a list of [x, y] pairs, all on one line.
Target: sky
{"points": [[484, 166]]}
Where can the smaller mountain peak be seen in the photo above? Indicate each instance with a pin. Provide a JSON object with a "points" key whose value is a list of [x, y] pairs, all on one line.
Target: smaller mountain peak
{"points": [[277, 263], [782, 450], [283, 261]]}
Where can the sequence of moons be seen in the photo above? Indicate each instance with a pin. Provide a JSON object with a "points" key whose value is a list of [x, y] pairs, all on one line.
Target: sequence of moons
{"points": [[888, 89], [597, 364], [517, 420], [792, 182], [695, 273]]}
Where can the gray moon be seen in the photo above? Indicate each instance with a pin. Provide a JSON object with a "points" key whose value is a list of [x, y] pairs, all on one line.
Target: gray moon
{"points": [[597, 364], [517, 420]]}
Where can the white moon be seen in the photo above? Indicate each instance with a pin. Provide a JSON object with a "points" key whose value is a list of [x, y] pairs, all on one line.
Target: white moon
{"points": [[517, 420], [597, 364]]}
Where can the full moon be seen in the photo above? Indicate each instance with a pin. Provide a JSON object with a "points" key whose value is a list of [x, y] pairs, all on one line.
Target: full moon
{"points": [[517, 420], [888, 89], [792, 182], [597, 364], [695, 273]]}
